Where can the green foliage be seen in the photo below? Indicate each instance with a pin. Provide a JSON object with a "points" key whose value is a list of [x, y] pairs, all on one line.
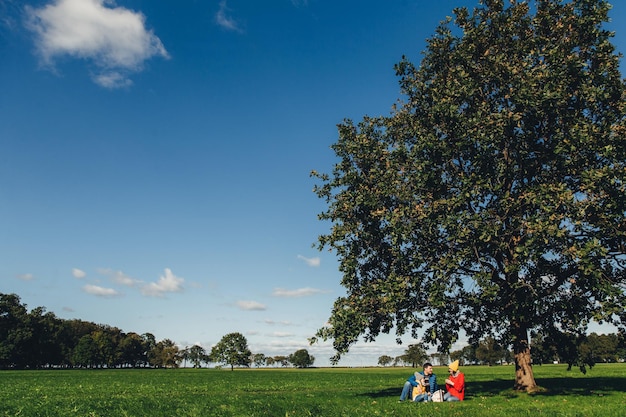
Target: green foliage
{"points": [[415, 355], [196, 355], [232, 350], [279, 359], [301, 359], [385, 360], [165, 354], [294, 392], [493, 199], [466, 356], [38, 339], [259, 359], [490, 352]]}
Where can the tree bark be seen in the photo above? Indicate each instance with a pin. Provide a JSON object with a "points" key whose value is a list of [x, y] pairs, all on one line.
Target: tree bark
{"points": [[524, 377]]}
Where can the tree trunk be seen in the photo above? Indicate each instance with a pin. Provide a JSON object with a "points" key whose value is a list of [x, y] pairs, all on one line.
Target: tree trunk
{"points": [[524, 377]]}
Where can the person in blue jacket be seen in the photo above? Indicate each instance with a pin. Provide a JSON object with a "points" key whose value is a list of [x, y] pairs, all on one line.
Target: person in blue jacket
{"points": [[430, 381]]}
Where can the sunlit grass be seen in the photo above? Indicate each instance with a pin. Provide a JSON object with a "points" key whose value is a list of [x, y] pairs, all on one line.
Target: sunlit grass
{"points": [[304, 392]]}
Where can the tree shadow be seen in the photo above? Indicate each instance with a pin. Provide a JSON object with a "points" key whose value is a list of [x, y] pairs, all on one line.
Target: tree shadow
{"points": [[589, 386], [388, 392], [585, 387]]}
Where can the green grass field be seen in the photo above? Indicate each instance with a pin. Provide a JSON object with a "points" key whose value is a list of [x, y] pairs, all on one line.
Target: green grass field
{"points": [[303, 392]]}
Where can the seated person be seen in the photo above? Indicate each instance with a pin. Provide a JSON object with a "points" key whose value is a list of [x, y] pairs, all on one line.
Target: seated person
{"points": [[413, 383], [429, 382], [455, 383]]}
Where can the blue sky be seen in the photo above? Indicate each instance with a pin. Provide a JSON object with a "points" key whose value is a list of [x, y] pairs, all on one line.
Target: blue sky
{"points": [[155, 157]]}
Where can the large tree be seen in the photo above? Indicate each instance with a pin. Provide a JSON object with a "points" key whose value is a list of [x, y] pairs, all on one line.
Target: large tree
{"points": [[415, 354], [493, 198], [232, 350], [301, 359]]}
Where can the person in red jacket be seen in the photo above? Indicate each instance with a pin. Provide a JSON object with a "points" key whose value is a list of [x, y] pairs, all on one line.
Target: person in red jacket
{"points": [[455, 383]]}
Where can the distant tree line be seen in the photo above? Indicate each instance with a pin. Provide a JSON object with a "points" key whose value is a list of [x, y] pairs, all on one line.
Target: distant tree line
{"points": [[582, 351], [39, 339]]}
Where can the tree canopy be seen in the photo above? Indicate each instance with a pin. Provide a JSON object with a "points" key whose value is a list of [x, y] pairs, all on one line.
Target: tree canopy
{"points": [[301, 358], [232, 350], [39, 339], [493, 197]]}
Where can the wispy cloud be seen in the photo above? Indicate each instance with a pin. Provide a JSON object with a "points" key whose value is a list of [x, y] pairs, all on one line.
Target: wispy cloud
{"points": [[113, 38], [281, 334], [282, 323], [100, 291], [223, 18], [314, 262], [300, 292], [9, 9], [78, 273], [119, 277], [166, 283], [26, 277], [251, 306]]}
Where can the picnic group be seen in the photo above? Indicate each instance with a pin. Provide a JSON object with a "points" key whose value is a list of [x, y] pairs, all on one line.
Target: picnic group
{"points": [[422, 386]]}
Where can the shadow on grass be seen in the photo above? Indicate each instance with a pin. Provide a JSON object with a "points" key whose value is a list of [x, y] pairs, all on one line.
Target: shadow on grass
{"points": [[602, 386], [389, 392], [590, 386]]}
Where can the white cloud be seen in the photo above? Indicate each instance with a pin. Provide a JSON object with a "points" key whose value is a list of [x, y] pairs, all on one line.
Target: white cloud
{"points": [[166, 283], [26, 277], [112, 79], [282, 334], [100, 291], [300, 292], [282, 323], [314, 262], [224, 20], [78, 273], [114, 38], [251, 305], [119, 277]]}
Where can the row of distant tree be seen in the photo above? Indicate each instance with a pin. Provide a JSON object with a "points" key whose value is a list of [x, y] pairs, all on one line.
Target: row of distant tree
{"points": [[38, 339], [582, 351]]}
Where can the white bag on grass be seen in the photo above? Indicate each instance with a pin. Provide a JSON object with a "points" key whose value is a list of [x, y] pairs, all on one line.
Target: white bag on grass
{"points": [[438, 396]]}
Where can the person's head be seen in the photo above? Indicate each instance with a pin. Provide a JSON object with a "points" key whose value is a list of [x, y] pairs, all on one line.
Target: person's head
{"points": [[453, 368], [428, 369]]}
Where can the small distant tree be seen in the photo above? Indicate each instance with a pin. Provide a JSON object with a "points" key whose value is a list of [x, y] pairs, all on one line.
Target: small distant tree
{"points": [[490, 352], [385, 360], [165, 355], [282, 360], [457, 355], [440, 358], [469, 354], [232, 350], [415, 355], [259, 359], [543, 350], [601, 347], [132, 350], [301, 359], [196, 355], [399, 360]]}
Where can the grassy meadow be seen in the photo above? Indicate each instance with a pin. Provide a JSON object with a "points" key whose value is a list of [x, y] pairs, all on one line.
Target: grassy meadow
{"points": [[303, 392]]}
